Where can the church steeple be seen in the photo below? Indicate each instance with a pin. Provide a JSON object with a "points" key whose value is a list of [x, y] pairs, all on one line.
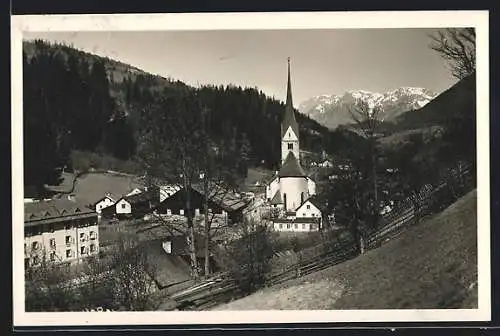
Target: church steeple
{"points": [[289, 117]]}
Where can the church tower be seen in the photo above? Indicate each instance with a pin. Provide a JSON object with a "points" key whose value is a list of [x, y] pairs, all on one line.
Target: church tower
{"points": [[289, 126], [293, 182]]}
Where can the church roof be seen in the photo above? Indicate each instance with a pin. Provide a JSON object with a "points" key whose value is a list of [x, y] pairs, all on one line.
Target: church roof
{"points": [[289, 117], [276, 198], [291, 167]]}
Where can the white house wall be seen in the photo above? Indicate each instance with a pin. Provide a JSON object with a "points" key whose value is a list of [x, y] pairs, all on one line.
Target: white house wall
{"points": [[106, 202], [123, 207], [60, 248], [313, 211], [293, 227], [311, 186], [272, 188], [293, 187]]}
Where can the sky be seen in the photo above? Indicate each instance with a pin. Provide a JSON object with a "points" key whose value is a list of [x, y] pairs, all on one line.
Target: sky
{"points": [[328, 61]]}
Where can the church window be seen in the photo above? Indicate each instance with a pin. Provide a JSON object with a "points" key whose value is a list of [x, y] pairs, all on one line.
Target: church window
{"points": [[290, 146]]}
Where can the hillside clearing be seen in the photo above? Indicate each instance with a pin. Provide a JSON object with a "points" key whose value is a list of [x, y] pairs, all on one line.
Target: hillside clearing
{"points": [[432, 265]]}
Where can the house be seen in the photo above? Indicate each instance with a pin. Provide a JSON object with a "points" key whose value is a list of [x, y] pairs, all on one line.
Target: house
{"points": [[104, 202], [297, 224], [134, 205], [227, 204], [59, 230], [176, 204]]}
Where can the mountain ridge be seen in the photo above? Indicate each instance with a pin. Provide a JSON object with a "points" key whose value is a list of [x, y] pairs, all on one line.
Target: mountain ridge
{"points": [[333, 110]]}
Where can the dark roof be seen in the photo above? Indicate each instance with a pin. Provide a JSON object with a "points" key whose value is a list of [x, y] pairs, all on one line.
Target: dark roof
{"points": [[289, 117], [227, 199], [111, 197], [277, 198], [315, 201], [55, 209], [291, 167], [141, 197]]}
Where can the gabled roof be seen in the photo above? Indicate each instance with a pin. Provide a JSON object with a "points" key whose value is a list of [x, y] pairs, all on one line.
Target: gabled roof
{"points": [[291, 167], [139, 198], [315, 201], [113, 199], [277, 198], [53, 209], [223, 197], [289, 116]]}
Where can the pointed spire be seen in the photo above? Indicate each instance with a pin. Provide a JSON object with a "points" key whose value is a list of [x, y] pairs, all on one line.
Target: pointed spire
{"points": [[289, 101], [289, 117]]}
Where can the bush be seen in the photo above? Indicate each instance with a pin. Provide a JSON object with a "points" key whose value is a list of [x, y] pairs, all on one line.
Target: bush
{"points": [[248, 259]]}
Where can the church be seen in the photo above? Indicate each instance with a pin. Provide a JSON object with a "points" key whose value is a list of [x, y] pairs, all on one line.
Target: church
{"points": [[291, 192]]}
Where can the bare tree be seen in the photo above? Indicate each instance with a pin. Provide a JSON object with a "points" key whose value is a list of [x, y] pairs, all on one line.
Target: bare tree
{"points": [[132, 275], [458, 47], [368, 120], [170, 149]]}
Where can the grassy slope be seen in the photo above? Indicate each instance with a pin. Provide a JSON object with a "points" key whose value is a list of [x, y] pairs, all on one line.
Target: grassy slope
{"points": [[431, 265]]}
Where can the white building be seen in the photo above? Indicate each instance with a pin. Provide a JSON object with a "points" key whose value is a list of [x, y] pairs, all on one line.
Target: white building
{"points": [[291, 187], [59, 230], [104, 202]]}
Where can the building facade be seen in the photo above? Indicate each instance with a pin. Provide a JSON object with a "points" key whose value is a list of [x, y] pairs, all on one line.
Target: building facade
{"points": [[59, 230]]}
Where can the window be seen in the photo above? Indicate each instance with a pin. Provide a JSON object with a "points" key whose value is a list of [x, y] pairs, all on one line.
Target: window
{"points": [[290, 146], [68, 240], [169, 212], [36, 260], [288, 226], [281, 226], [92, 235], [53, 242], [197, 212], [69, 254], [52, 256], [92, 248], [35, 245], [308, 206], [296, 226], [82, 250], [303, 226], [82, 236], [181, 212], [123, 205], [303, 214]]}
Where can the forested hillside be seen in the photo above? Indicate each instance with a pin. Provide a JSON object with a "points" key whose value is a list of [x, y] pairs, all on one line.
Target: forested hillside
{"points": [[77, 101]]}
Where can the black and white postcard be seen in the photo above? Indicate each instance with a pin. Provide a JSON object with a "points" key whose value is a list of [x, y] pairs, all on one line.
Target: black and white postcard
{"points": [[250, 168]]}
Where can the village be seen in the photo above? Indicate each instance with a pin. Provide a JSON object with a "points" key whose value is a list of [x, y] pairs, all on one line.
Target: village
{"points": [[66, 230]]}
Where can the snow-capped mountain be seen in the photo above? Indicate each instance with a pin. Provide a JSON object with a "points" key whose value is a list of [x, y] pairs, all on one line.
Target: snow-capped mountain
{"points": [[333, 110]]}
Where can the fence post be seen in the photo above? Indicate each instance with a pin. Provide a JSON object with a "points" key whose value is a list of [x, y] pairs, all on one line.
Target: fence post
{"points": [[362, 245]]}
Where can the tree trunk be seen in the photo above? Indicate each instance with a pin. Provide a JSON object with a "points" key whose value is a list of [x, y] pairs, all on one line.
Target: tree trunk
{"points": [[207, 227], [191, 240]]}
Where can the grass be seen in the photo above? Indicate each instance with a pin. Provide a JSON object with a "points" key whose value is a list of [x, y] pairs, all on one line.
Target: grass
{"points": [[432, 265]]}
